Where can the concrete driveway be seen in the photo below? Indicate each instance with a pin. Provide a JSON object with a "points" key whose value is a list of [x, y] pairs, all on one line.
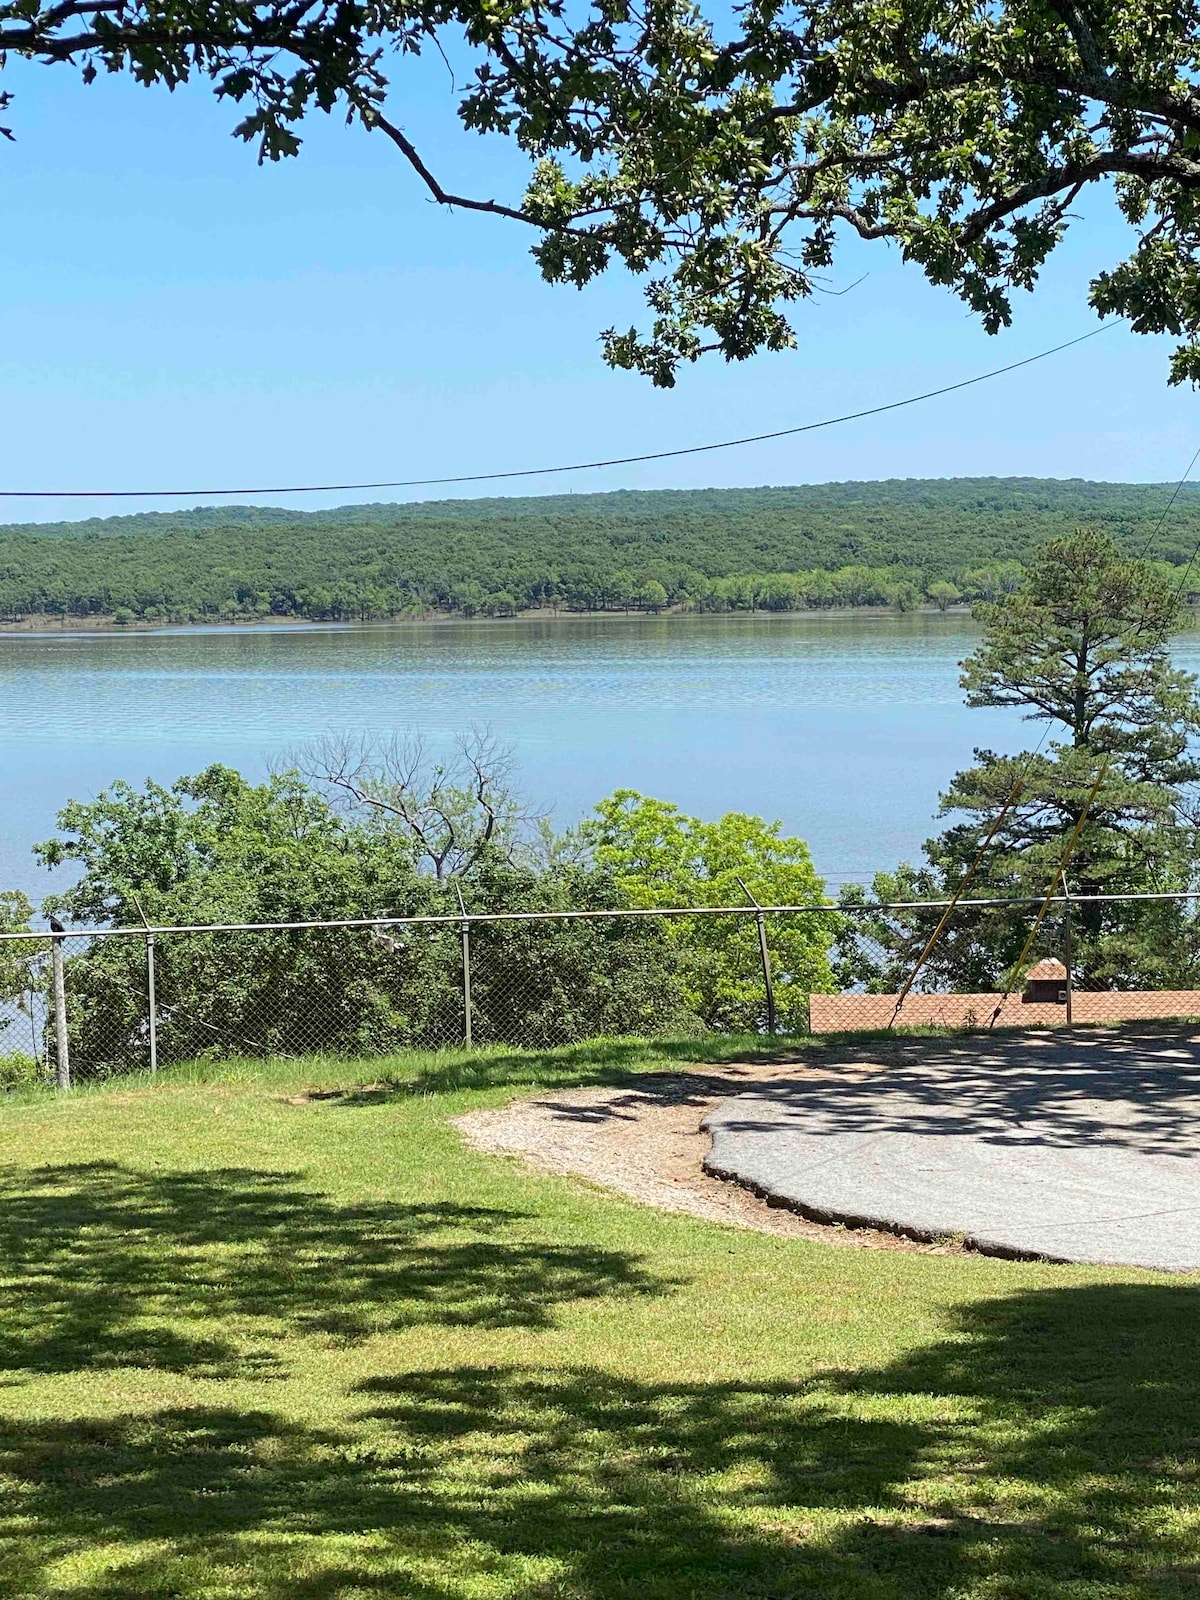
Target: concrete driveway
{"points": [[1081, 1146]]}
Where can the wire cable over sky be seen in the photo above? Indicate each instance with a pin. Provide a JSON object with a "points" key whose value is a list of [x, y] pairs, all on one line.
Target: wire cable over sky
{"points": [[542, 472]]}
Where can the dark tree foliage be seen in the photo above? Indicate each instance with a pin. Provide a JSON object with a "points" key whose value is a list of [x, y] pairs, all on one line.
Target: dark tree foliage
{"points": [[215, 849], [889, 544]]}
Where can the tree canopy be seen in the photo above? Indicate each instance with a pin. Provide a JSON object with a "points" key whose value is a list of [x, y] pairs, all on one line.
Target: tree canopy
{"points": [[769, 549], [722, 156], [1083, 647], [657, 855]]}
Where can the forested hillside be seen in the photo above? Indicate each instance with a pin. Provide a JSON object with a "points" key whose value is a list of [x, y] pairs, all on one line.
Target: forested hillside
{"points": [[899, 543]]}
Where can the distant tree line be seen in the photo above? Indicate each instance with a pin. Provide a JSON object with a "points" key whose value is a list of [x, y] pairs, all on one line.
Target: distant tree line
{"points": [[771, 550]]}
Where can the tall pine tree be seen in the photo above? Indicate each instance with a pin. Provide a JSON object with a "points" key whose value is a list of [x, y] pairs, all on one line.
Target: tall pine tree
{"points": [[1083, 646]]}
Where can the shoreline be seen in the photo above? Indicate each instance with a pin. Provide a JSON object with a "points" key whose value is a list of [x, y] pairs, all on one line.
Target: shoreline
{"points": [[82, 627]]}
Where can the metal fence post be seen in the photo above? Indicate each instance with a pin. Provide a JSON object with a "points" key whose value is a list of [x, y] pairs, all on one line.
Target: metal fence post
{"points": [[766, 966], [1068, 951], [466, 969], [152, 1002], [62, 1077], [765, 953]]}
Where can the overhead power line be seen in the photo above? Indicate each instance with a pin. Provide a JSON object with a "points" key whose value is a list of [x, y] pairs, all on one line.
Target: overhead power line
{"points": [[1170, 506], [542, 472]]}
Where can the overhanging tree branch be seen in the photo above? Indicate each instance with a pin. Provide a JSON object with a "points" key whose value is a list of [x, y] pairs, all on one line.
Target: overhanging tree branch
{"points": [[374, 118], [725, 171]]}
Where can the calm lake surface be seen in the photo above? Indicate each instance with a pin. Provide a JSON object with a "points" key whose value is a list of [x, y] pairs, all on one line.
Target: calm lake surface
{"points": [[844, 727]]}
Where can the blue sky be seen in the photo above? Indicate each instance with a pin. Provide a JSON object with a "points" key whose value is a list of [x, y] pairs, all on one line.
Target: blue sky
{"points": [[174, 313]]}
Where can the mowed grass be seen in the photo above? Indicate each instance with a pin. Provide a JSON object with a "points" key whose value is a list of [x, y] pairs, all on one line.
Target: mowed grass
{"points": [[273, 1330]]}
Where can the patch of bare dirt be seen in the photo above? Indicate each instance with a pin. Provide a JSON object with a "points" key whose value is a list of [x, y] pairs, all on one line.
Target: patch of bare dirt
{"points": [[644, 1141]]}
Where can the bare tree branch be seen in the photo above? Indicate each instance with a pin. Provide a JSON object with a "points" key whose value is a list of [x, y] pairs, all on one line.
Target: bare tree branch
{"points": [[453, 812]]}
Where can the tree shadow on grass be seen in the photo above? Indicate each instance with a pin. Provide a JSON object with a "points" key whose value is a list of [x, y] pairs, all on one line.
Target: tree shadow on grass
{"points": [[1152, 1065], [597, 1063], [1046, 1449], [105, 1266]]}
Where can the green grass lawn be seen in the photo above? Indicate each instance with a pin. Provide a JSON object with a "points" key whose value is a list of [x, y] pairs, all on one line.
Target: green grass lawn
{"points": [[258, 1344]]}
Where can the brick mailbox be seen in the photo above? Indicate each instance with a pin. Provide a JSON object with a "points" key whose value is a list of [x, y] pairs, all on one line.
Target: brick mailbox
{"points": [[1046, 983]]}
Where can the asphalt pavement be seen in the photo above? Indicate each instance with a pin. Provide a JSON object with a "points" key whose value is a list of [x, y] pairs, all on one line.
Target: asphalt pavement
{"points": [[1080, 1146]]}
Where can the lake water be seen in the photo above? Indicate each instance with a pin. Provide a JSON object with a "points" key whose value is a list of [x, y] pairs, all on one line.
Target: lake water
{"points": [[845, 727]]}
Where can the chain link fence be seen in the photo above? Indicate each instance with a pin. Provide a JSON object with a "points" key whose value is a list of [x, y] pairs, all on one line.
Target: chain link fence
{"points": [[1015, 963], [24, 965], [131, 1000]]}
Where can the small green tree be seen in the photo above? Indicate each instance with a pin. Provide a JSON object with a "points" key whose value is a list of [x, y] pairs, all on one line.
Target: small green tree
{"points": [[216, 848], [944, 594], [15, 913], [651, 595], [659, 856], [553, 982]]}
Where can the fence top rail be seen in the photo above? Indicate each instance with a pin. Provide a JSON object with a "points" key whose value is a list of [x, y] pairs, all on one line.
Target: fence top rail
{"points": [[457, 919]]}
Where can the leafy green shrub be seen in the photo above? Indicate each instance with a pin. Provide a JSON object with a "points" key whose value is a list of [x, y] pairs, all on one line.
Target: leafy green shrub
{"points": [[20, 1071], [214, 849], [658, 856]]}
